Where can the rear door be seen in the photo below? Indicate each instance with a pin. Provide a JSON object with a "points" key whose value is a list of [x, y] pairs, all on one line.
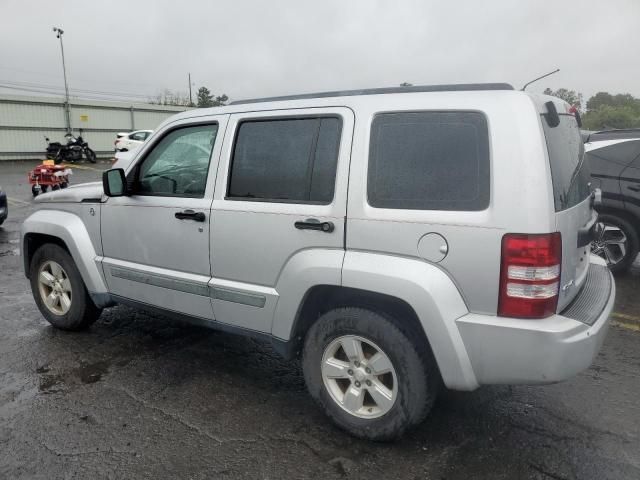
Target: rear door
{"points": [[628, 152], [571, 180], [281, 192]]}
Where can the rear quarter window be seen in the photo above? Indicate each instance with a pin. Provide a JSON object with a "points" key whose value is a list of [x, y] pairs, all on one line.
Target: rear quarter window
{"points": [[429, 161]]}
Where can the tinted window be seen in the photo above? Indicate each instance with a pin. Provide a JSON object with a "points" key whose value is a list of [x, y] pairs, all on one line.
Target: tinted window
{"points": [[178, 165], [286, 160], [429, 161], [570, 175]]}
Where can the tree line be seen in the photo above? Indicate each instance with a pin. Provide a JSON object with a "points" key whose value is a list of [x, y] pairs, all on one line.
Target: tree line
{"points": [[603, 111], [204, 98]]}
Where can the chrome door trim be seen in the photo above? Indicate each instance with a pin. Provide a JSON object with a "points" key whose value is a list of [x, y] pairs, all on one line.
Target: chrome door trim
{"points": [[236, 296], [225, 290], [163, 281]]}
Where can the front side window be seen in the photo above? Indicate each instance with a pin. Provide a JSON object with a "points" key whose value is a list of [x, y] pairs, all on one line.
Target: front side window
{"points": [[286, 160], [429, 161], [178, 165]]}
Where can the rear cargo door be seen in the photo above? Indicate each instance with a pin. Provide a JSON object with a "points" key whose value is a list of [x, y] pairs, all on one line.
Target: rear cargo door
{"points": [[574, 213]]}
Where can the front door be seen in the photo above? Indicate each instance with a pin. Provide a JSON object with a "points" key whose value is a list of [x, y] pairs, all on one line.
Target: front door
{"points": [[156, 241], [280, 199]]}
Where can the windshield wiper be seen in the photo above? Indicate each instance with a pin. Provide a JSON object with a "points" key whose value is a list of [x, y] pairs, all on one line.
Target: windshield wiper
{"points": [[575, 174]]}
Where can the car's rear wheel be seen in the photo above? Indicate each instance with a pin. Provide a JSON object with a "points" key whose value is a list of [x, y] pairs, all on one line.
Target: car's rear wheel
{"points": [[371, 379], [617, 242], [59, 291]]}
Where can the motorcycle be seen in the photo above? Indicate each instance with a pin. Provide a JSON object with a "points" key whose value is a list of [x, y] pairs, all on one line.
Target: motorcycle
{"points": [[73, 151]]}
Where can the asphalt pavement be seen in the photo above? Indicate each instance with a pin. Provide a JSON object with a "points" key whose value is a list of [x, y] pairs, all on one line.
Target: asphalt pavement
{"points": [[144, 396]]}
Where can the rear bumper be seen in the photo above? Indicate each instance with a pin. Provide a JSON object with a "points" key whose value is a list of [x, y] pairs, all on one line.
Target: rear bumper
{"points": [[514, 351]]}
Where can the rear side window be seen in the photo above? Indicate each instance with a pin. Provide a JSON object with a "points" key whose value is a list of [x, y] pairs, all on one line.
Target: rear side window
{"points": [[429, 161], [288, 160], [570, 174]]}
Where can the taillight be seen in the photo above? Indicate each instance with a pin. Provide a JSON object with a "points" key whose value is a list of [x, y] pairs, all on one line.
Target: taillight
{"points": [[530, 275]]}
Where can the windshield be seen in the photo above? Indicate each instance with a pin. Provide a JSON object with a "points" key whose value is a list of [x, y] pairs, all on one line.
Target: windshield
{"points": [[569, 172]]}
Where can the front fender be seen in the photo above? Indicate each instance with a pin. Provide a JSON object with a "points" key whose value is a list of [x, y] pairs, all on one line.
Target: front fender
{"points": [[432, 295], [69, 228]]}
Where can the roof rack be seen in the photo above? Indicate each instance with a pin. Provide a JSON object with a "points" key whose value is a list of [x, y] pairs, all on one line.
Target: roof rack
{"points": [[461, 87]]}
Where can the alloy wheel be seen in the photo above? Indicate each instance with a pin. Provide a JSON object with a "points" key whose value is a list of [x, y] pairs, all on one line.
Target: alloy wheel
{"points": [[359, 376], [611, 244], [55, 287]]}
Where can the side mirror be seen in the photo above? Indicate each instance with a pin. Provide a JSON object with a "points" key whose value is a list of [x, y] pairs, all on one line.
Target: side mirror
{"points": [[114, 183]]}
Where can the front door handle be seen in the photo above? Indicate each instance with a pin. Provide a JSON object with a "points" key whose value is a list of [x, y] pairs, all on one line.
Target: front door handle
{"points": [[315, 224], [191, 215]]}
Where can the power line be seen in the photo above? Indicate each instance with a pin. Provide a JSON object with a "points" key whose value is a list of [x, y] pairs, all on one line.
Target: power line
{"points": [[81, 96], [77, 90]]}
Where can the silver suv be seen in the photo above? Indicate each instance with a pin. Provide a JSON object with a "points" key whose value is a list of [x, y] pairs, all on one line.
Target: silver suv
{"points": [[397, 240]]}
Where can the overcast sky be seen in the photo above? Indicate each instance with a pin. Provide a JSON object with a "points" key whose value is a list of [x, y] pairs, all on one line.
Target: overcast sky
{"points": [[262, 48]]}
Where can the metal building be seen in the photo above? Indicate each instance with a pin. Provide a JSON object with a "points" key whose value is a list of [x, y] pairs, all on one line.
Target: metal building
{"points": [[26, 121]]}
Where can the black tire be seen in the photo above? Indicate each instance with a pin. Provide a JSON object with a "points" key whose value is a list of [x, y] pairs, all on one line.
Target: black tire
{"points": [[44, 188], [35, 191], [417, 374], [57, 159], [90, 154], [82, 312], [64, 184], [632, 244]]}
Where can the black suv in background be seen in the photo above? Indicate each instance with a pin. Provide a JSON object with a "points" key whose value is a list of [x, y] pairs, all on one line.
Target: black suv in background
{"points": [[4, 209], [614, 157]]}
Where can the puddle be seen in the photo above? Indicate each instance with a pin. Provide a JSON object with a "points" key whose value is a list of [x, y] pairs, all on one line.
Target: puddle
{"points": [[86, 373], [92, 372]]}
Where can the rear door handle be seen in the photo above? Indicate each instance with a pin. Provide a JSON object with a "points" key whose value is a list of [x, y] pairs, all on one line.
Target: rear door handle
{"points": [[315, 224], [191, 215]]}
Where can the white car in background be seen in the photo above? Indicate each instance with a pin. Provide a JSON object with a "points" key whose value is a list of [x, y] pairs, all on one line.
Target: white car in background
{"points": [[123, 158], [128, 141]]}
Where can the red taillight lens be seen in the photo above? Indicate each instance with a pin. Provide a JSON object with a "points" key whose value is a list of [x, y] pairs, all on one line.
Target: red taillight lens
{"points": [[530, 275]]}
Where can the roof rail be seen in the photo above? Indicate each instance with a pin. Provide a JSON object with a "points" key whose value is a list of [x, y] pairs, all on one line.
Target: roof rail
{"points": [[461, 87]]}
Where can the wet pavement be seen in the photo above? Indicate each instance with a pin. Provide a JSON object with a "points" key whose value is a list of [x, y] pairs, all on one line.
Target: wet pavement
{"points": [[143, 396]]}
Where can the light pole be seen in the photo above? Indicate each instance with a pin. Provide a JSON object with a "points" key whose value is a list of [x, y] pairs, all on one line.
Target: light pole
{"points": [[59, 32]]}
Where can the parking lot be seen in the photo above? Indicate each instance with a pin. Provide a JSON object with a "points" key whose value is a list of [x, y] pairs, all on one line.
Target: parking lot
{"points": [[143, 395]]}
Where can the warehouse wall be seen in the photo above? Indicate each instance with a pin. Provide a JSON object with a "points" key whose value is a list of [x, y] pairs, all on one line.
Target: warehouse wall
{"points": [[25, 121]]}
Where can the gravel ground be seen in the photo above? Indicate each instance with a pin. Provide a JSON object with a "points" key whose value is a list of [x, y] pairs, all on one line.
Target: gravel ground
{"points": [[143, 396]]}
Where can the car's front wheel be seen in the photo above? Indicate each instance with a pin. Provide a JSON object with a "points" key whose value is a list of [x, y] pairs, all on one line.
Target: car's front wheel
{"points": [[370, 378], [617, 243], [59, 291]]}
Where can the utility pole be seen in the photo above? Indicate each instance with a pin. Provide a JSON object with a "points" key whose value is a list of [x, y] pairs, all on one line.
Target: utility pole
{"points": [[190, 97], [59, 32]]}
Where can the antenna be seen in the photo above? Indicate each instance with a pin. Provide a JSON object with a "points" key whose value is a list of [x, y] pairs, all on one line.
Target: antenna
{"points": [[540, 78]]}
